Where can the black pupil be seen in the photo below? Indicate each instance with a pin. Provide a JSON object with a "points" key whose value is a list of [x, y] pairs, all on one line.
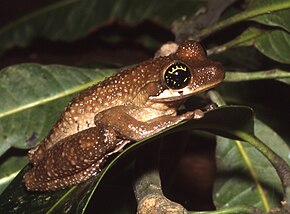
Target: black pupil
{"points": [[177, 76]]}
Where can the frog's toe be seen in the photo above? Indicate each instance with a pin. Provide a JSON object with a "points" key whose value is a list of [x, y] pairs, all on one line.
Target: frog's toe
{"points": [[196, 114]]}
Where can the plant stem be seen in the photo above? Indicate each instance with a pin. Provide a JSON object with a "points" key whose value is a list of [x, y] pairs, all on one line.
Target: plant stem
{"points": [[147, 186], [232, 210], [216, 98], [258, 75], [247, 38]]}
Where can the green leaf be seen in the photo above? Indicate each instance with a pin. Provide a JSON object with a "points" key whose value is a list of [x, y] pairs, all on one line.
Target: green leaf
{"points": [[68, 20], [280, 18], [222, 121], [9, 169], [272, 43], [275, 45], [16, 199], [258, 8], [77, 197], [33, 96], [245, 176]]}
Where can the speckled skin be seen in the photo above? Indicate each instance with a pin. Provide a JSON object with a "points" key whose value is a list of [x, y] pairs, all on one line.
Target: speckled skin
{"points": [[105, 117]]}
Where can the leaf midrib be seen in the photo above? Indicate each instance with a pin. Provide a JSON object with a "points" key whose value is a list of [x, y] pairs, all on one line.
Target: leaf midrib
{"points": [[47, 99]]}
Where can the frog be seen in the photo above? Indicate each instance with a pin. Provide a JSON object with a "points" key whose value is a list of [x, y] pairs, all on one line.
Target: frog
{"points": [[131, 105]]}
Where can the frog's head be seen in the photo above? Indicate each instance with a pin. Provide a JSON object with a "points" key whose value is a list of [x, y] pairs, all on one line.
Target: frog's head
{"points": [[188, 71]]}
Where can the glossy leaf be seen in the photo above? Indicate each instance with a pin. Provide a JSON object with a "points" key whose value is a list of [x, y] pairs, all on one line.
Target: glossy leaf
{"points": [[256, 9], [246, 38], [245, 176], [16, 199], [67, 20], [279, 18], [77, 197], [33, 96], [9, 169], [272, 43], [275, 45]]}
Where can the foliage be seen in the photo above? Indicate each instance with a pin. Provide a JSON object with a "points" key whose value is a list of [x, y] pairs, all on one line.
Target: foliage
{"points": [[251, 39]]}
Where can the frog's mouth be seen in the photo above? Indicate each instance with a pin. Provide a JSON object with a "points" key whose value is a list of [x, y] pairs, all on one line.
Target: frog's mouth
{"points": [[169, 95]]}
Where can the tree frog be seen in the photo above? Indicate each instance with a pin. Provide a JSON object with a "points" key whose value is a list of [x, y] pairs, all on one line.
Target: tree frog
{"points": [[129, 106]]}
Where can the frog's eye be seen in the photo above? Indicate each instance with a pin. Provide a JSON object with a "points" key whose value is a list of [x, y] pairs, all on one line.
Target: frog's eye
{"points": [[177, 76]]}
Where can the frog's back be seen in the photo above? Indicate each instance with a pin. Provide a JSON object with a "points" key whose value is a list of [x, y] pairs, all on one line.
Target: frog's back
{"points": [[119, 89], [79, 114]]}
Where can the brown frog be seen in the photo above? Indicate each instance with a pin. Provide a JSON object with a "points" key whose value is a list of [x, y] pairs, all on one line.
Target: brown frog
{"points": [[129, 106]]}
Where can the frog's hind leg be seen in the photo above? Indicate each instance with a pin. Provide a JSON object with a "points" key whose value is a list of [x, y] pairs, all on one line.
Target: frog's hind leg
{"points": [[120, 145], [72, 160], [63, 182]]}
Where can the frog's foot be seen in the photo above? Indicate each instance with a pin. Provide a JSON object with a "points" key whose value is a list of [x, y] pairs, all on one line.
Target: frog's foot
{"points": [[156, 203], [32, 183], [210, 107], [119, 147], [199, 113], [196, 114], [72, 160]]}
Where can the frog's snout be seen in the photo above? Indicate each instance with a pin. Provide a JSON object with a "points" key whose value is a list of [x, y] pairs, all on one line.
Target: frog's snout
{"points": [[217, 72], [208, 75]]}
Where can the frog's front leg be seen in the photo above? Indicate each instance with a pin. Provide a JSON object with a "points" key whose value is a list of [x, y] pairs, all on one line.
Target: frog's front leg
{"points": [[127, 127], [72, 160]]}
